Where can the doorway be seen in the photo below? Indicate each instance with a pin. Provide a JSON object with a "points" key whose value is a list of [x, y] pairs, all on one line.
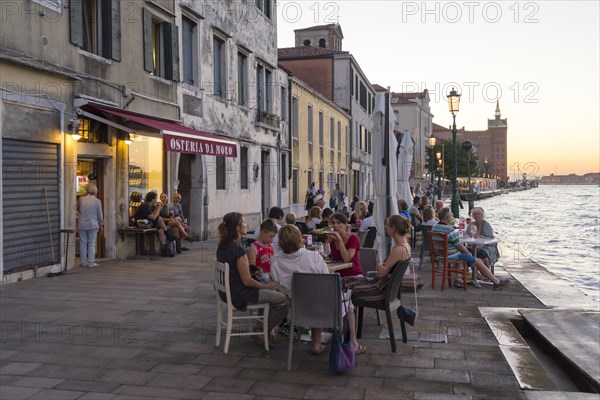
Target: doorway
{"points": [[90, 170]]}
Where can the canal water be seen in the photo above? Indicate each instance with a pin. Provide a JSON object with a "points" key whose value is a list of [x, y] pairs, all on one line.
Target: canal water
{"points": [[556, 226]]}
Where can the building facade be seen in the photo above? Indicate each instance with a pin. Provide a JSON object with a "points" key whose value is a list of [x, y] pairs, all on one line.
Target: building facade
{"points": [[320, 135], [337, 75], [159, 95]]}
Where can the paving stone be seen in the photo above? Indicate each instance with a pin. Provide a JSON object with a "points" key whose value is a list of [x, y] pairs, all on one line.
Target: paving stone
{"points": [[418, 385], [187, 369], [53, 394], [116, 352], [386, 360], [229, 396], [387, 394], [549, 395], [17, 393], [178, 381], [479, 366], [325, 378], [441, 396], [19, 368], [217, 359], [153, 392], [229, 385], [442, 375], [46, 383], [87, 386], [493, 379], [97, 396], [329, 392], [127, 377], [4, 354], [219, 372], [64, 372], [489, 392], [286, 390], [394, 372], [363, 382]]}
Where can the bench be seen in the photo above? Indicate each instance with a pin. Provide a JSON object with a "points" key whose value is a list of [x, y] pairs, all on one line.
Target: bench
{"points": [[145, 239]]}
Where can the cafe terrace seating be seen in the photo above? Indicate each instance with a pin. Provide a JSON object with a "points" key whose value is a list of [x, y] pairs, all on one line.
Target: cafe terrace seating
{"points": [[221, 284], [441, 265], [390, 303]]}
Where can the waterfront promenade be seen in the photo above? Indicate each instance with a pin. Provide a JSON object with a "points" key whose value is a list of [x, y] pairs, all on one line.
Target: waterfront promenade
{"points": [[144, 329]]}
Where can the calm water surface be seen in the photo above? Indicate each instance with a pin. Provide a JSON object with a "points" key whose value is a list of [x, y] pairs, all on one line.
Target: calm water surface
{"points": [[555, 226]]}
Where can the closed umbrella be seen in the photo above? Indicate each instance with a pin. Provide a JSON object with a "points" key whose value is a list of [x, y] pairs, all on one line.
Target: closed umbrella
{"points": [[384, 174], [405, 159]]}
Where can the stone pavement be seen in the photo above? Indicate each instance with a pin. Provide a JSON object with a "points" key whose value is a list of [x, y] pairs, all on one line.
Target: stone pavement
{"points": [[144, 329]]}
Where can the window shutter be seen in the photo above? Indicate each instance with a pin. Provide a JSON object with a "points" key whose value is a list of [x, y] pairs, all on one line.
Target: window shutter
{"points": [[147, 40], [116, 30], [106, 30], [166, 50], [175, 51], [76, 22]]}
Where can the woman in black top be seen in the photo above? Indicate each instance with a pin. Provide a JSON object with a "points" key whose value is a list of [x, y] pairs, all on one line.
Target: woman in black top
{"points": [[244, 289]]}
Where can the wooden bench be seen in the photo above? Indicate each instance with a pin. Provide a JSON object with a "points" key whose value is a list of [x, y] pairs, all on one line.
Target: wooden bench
{"points": [[145, 239]]}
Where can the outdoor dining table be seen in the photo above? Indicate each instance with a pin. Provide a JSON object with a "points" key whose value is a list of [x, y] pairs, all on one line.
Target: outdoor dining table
{"points": [[337, 266], [475, 244]]}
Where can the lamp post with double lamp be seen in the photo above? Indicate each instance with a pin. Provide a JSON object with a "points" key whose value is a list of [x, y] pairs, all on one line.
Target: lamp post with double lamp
{"points": [[432, 163], [439, 158], [453, 106]]}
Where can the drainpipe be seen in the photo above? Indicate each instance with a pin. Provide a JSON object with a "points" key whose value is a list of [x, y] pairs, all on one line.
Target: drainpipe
{"points": [[290, 133]]}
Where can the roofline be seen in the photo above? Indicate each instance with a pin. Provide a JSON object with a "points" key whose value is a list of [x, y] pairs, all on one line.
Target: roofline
{"points": [[318, 94]]}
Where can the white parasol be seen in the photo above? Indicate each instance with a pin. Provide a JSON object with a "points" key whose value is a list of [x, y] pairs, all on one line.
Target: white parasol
{"points": [[405, 159]]}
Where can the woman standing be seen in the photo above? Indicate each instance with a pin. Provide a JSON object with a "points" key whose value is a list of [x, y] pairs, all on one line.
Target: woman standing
{"points": [[91, 222], [344, 245], [374, 289], [244, 289]]}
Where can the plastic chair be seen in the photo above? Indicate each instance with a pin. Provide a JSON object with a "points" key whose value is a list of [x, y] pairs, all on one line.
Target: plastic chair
{"points": [[370, 238], [425, 229], [222, 286], [391, 302], [438, 248], [303, 228], [369, 259], [313, 303], [416, 227], [361, 237]]}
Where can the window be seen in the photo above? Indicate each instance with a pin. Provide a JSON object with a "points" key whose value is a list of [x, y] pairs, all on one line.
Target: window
{"points": [[351, 82], [309, 177], [356, 86], [321, 128], [360, 137], [295, 186], [284, 171], [146, 165], [190, 51], [307, 42], [219, 66], [369, 142], [295, 122], [284, 103], [321, 186], [331, 133], [242, 78], [161, 47], [265, 7], [322, 43], [310, 124], [339, 136], [95, 26], [243, 168], [221, 183], [264, 97], [363, 96]]}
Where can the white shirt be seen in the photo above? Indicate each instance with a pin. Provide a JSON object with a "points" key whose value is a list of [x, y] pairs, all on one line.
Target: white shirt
{"points": [[367, 223], [284, 265]]}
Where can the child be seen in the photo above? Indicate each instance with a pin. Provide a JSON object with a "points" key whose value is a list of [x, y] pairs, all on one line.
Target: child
{"points": [[261, 251]]}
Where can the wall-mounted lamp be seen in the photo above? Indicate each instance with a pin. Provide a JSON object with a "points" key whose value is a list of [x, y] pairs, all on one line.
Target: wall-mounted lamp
{"points": [[73, 129], [128, 140]]}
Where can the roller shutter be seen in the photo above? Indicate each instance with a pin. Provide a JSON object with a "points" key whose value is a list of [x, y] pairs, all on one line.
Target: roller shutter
{"points": [[30, 174]]}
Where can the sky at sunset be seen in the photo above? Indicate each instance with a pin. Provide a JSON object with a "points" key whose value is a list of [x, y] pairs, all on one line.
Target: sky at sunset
{"points": [[541, 59]]}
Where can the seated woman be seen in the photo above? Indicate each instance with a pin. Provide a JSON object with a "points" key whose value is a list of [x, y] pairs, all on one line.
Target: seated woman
{"points": [[359, 214], [295, 258], [429, 216], [373, 289], [325, 217], [344, 245], [244, 289], [314, 218], [166, 214], [480, 228]]}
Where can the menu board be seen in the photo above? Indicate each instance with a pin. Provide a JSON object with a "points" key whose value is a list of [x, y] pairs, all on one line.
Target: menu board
{"points": [[82, 182]]}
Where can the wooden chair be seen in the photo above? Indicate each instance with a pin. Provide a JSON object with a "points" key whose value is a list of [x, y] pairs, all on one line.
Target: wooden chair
{"points": [[390, 303], [221, 285], [438, 248]]}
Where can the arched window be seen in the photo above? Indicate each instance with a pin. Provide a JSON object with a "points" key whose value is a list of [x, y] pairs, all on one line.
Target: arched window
{"points": [[321, 42], [307, 42]]}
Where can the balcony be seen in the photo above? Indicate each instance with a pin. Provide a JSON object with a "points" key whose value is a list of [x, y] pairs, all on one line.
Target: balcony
{"points": [[268, 118]]}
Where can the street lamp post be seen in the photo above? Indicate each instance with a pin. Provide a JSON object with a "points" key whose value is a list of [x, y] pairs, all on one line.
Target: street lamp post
{"points": [[453, 106], [439, 157], [432, 141], [467, 145]]}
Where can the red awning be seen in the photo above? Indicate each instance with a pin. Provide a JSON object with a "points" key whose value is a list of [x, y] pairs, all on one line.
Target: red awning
{"points": [[178, 138]]}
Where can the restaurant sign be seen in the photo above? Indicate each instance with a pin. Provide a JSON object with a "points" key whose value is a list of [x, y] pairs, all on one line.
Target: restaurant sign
{"points": [[192, 144]]}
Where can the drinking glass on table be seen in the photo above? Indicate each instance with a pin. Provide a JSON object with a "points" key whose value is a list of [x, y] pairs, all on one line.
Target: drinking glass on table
{"points": [[472, 230]]}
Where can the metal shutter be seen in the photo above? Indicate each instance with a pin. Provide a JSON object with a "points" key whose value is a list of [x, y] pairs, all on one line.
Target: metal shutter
{"points": [[29, 168]]}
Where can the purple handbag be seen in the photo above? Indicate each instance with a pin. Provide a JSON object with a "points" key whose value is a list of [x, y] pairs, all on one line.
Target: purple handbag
{"points": [[342, 357]]}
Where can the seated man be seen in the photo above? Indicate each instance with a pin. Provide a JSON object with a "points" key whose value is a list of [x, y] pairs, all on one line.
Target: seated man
{"points": [[369, 221], [457, 251], [149, 210], [415, 213]]}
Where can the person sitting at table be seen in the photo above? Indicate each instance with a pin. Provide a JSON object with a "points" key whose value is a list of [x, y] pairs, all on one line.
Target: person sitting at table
{"points": [[355, 200], [261, 251], [290, 218], [457, 251], [314, 218], [294, 257], [368, 222], [344, 245], [429, 217], [424, 203], [414, 211], [439, 204], [275, 215], [360, 213], [403, 209], [167, 215], [373, 289], [244, 289], [177, 210], [325, 217], [480, 228], [149, 210]]}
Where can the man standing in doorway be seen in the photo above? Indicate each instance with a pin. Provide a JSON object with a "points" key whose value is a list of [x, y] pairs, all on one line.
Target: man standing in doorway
{"points": [[311, 193]]}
